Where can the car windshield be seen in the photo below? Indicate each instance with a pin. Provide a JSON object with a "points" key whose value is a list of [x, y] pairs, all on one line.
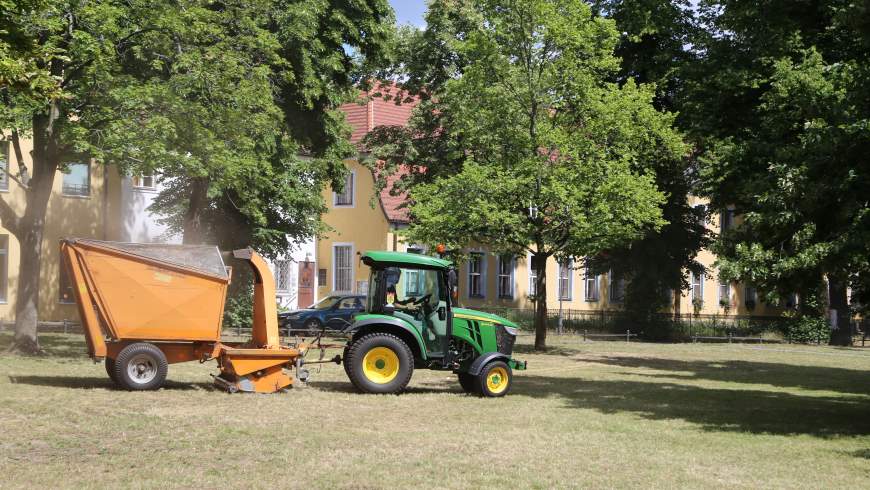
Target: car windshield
{"points": [[325, 304]]}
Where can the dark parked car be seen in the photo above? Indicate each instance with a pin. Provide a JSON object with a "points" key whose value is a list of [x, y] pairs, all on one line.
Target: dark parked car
{"points": [[335, 312]]}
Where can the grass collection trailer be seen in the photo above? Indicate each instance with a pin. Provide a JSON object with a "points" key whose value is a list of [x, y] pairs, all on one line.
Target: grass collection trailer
{"points": [[145, 306]]}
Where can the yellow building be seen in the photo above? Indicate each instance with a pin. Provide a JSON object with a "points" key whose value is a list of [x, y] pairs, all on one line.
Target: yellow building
{"points": [[81, 205]]}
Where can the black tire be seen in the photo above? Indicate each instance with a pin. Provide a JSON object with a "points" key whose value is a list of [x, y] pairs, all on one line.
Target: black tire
{"points": [[400, 376], [312, 326], [502, 373], [468, 383], [110, 369], [345, 361], [140, 367]]}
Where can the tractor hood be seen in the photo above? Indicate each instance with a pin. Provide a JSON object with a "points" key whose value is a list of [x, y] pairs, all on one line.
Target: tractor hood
{"points": [[482, 316]]}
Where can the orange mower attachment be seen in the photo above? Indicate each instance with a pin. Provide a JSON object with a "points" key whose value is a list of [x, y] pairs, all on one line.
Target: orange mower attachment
{"points": [[145, 306]]}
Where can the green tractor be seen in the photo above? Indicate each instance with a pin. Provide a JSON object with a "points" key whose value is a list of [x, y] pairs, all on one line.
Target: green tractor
{"points": [[410, 322]]}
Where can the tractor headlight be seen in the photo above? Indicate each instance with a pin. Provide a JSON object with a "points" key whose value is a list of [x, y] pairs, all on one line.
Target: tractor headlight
{"points": [[510, 330]]}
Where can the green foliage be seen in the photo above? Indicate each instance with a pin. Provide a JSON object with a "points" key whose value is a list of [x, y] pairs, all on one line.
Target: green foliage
{"points": [[806, 329], [239, 309], [778, 106]]}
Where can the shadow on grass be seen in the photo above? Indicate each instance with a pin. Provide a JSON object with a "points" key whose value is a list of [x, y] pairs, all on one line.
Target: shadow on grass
{"points": [[751, 411], [775, 374], [550, 351], [90, 383], [347, 387], [54, 345]]}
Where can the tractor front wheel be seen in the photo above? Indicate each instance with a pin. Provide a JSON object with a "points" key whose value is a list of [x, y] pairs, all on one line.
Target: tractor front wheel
{"points": [[495, 379], [140, 366], [379, 363]]}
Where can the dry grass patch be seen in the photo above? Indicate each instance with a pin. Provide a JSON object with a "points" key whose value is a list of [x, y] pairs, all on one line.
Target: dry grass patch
{"points": [[606, 414]]}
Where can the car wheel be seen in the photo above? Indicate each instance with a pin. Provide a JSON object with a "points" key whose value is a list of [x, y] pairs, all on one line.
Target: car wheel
{"points": [[312, 326]]}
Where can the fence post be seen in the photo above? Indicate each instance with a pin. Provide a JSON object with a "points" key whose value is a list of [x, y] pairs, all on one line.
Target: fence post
{"points": [[584, 335], [729, 335], [628, 335], [64, 325]]}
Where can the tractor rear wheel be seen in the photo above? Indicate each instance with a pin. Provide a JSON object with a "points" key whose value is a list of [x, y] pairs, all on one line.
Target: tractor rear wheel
{"points": [[468, 382], [140, 366], [379, 363], [495, 379]]}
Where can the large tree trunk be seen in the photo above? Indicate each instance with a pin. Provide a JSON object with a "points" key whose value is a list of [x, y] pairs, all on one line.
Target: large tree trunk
{"points": [[837, 302], [540, 265], [194, 223], [29, 229]]}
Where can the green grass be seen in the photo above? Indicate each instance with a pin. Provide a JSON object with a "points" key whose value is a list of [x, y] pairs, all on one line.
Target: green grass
{"points": [[605, 414]]}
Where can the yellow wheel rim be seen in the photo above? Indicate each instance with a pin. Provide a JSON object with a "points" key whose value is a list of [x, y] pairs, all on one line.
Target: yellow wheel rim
{"points": [[381, 365], [497, 379]]}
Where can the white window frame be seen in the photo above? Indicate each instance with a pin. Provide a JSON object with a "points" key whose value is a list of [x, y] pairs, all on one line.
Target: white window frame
{"points": [[282, 269], [500, 260], [481, 273], [335, 267], [89, 186], [568, 267], [347, 188], [137, 180], [612, 283], [4, 171], [533, 278], [727, 298], [4, 277], [692, 290], [591, 279]]}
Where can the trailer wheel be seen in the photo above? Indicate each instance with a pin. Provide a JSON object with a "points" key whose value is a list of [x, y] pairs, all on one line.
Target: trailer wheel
{"points": [[110, 369], [468, 382], [380, 363], [495, 379], [140, 366]]}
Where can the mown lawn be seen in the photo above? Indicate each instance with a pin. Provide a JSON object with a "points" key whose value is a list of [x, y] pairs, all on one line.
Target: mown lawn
{"points": [[606, 414]]}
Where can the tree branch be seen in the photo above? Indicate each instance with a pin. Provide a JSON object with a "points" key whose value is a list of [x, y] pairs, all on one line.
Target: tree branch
{"points": [[9, 218], [19, 158]]}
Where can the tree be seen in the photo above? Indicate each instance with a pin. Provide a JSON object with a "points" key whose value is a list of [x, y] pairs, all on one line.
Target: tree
{"points": [[547, 155], [654, 48], [778, 105], [222, 94]]}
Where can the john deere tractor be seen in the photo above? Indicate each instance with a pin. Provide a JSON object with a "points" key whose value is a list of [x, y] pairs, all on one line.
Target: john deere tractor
{"points": [[411, 321]]}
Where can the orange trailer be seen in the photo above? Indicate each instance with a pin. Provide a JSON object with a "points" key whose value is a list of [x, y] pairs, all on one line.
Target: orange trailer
{"points": [[145, 306]]}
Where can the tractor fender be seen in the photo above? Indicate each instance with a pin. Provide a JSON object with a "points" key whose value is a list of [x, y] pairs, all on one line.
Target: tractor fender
{"points": [[391, 323], [485, 359]]}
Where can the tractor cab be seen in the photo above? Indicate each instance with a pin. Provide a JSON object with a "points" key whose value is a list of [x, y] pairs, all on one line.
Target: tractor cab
{"points": [[411, 322], [417, 292]]}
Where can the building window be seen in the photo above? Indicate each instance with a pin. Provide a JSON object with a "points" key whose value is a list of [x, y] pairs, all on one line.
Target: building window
{"points": [[726, 220], [476, 276], [147, 181], [566, 279], [701, 212], [66, 294], [505, 277], [4, 165], [345, 198], [617, 288], [321, 277], [750, 297], [533, 277], [4, 266], [697, 288], [342, 257], [283, 276], [724, 293], [590, 284], [791, 301], [412, 282], [77, 181]]}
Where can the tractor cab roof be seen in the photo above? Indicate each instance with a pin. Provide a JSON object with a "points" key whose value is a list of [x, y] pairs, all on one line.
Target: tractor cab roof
{"points": [[383, 259]]}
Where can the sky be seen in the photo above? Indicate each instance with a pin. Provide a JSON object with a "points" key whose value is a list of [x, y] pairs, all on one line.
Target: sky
{"points": [[410, 11]]}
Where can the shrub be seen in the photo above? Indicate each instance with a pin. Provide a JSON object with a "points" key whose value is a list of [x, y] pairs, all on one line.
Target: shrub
{"points": [[806, 329]]}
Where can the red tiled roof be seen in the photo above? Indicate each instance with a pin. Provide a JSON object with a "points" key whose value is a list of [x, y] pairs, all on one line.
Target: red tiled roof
{"points": [[367, 114]]}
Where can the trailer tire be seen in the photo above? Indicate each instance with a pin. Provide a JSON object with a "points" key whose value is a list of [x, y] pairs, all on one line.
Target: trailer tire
{"points": [[495, 379], [140, 366], [110, 369], [380, 363]]}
